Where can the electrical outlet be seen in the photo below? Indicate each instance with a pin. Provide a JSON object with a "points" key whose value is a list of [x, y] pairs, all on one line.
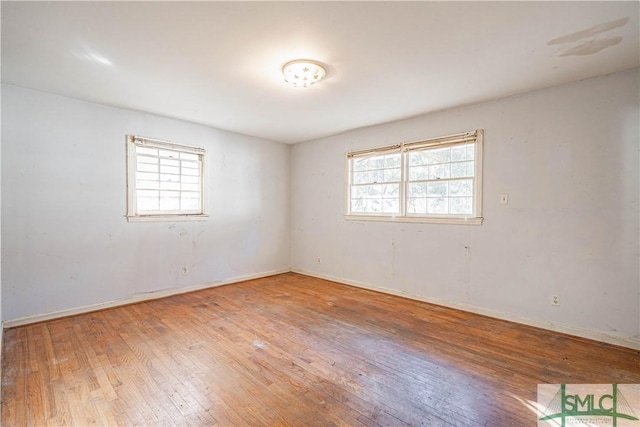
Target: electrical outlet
{"points": [[185, 270], [555, 299], [504, 198], [319, 260]]}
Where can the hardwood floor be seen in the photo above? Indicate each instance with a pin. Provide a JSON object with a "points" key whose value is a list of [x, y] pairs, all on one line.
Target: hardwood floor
{"points": [[291, 350]]}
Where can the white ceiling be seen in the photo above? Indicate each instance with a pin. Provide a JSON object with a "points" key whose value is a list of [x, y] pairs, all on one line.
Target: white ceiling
{"points": [[218, 63]]}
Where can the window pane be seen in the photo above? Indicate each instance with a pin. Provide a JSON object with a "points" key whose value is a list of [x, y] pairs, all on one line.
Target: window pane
{"points": [[189, 156], [438, 155], [373, 170], [374, 191], [169, 162], [391, 205], [462, 169], [170, 186], [358, 205], [392, 161], [169, 169], [463, 187], [418, 173], [168, 153], [375, 198], [169, 200], [145, 159], [190, 187], [147, 150], [374, 205], [437, 189], [148, 204], [190, 194], [190, 172], [360, 177], [190, 179], [391, 190], [169, 204], [465, 152], [391, 175], [461, 205], [359, 164], [416, 205], [147, 167], [459, 153], [169, 194], [471, 151], [376, 176], [149, 193], [169, 178], [363, 178], [190, 165], [439, 171], [190, 204], [417, 189], [417, 158], [147, 185], [358, 191], [147, 176], [437, 206], [377, 162]]}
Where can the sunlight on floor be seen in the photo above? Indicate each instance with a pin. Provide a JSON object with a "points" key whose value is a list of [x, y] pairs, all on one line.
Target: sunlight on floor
{"points": [[536, 408]]}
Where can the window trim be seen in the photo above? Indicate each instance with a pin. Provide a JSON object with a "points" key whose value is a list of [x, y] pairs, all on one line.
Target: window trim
{"points": [[476, 137], [133, 141]]}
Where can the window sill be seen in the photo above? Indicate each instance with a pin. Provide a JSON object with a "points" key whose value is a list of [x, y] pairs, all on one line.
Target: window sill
{"points": [[166, 218], [424, 220]]}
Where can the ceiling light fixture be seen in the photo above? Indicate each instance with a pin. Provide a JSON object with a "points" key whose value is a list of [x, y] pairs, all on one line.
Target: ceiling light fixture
{"points": [[303, 72]]}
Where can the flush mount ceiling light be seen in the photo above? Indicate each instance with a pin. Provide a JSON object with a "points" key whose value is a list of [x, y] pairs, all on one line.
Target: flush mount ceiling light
{"points": [[303, 72]]}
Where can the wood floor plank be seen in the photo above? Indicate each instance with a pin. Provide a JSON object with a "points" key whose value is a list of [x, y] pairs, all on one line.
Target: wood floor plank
{"points": [[327, 369], [291, 350]]}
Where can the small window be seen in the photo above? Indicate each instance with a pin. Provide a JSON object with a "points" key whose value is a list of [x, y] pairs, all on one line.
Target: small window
{"points": [[166, 181], [433, 180]]}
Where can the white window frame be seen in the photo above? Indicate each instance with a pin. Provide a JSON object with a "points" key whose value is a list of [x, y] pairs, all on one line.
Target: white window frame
{"points": [[133, 215], [475, 218]]}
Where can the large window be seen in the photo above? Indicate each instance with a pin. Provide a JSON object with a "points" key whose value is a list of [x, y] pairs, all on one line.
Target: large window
{"points": [[165, 180], [438, 179]]}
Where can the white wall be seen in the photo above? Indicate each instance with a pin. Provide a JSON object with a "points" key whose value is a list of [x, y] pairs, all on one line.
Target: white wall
{"points": [[65, 240], [567, 155]]}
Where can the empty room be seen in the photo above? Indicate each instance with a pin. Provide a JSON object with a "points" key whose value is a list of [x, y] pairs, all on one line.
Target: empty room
{"points": [[320, 213]]}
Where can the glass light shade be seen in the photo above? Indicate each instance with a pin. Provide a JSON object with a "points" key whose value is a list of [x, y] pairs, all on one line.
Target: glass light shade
{"points": [[303, 72]]}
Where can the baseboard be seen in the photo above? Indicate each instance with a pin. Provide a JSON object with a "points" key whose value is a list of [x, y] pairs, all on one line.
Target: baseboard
{"points": [[552, 326], [147, 296]]}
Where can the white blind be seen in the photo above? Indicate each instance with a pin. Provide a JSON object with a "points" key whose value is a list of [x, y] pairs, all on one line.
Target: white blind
{"points": [[150, 142], [458, 138]]}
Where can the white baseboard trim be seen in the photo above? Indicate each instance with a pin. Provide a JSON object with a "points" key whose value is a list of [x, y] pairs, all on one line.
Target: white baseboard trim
{"points": [[146, 296], [552, 326]]}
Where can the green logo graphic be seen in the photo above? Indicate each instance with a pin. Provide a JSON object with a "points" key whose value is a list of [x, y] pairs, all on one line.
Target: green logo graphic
{"points": [[613, 406]]}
